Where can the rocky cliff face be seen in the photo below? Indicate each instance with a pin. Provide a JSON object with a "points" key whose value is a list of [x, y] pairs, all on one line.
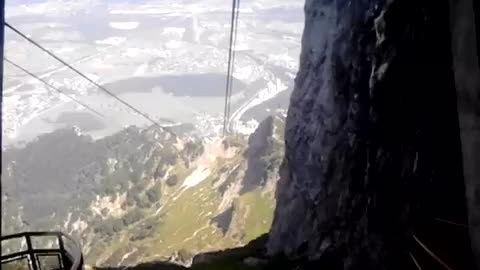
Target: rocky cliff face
{"points": [[372, 146], [465, 24]]}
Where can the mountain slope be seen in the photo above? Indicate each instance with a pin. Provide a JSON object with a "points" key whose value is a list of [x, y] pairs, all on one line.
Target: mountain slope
{"points": [[143, 195]]}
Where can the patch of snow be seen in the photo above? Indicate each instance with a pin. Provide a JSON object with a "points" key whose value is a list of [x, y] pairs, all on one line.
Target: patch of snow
{"points": [[246, 128], [206, 161], [179, 145], [111, 41], [114, 208], [242, 47], [163, 53], [248, 73], [65, 225], [124, 25], [198, 175], [52, 8], [124, 257], [132, 52], [150, 11], [77, 130], [173, 44], [174, 31], [273, 89], [111, 162], [97, 63], [79, 225], [141, 70], [58, 35], [64, 50]]}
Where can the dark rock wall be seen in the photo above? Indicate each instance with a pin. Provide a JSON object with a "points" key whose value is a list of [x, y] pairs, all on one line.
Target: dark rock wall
{"points": [[465, 14], [224, 220], [372, 144], [259, 144]]}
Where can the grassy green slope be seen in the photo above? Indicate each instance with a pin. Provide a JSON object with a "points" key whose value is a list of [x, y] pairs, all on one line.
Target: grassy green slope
{"points": [[181, 220]]}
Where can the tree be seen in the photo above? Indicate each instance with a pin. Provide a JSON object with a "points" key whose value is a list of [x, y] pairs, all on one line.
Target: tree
{"points": [[109, 189], [109, 226], [117, 224], [152, 194], [142, 201], [135, 176], [169, 156], [172, 180], [132, 217], [159, 172]]}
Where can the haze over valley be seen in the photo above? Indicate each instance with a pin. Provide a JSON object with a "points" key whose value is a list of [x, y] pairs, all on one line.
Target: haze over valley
{"points": [[168, 58]]}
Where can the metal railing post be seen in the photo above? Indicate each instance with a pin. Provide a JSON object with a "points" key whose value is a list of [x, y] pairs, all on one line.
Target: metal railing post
{"points": [[61, 245], [31, 253]]}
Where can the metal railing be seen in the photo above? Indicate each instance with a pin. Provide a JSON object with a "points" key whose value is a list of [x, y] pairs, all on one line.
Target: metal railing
{"points": [[68, 252]]}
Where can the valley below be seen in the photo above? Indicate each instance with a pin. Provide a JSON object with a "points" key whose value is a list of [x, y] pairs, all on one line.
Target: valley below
{"points": [[166, 61], [145, 194]]}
